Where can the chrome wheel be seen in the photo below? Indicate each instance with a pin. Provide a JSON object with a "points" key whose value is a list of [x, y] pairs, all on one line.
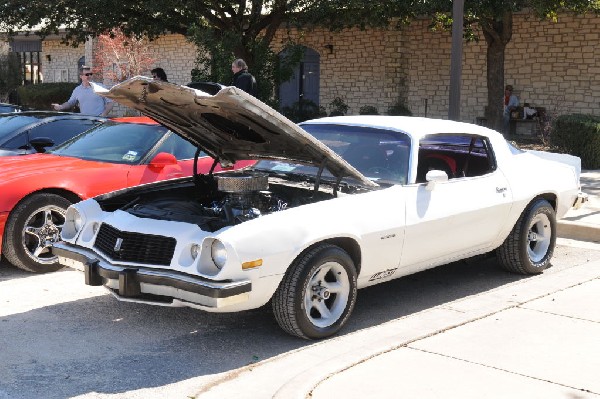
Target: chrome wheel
{"points": [[31, 229], [317, 293], [326, 295], [42, 229], [530, 245], [539, 237]]}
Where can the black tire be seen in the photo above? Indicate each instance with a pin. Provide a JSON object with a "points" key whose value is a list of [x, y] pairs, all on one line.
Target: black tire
{"points": [[301, 308], [530, 245], [32, 226]]}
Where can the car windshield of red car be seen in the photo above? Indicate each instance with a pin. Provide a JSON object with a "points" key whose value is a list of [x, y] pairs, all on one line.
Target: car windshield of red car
{"points": [[114, 142]]}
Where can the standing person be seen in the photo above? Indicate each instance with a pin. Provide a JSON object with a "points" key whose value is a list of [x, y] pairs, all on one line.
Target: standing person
{"points": [[242, 79], [159, 74], [511, 102], [90, 103]]}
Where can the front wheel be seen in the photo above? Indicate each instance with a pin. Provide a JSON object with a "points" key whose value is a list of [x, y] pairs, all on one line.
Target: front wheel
{"points": [[530, 245], [32, 227], [317, 294]]}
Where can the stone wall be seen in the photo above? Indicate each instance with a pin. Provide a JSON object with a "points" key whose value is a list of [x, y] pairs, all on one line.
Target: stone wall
{"points": [[62, 66], [361, 67], [555, 65], [176, 56]]}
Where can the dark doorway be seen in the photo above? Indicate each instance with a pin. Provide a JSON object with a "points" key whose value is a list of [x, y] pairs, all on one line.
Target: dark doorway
{"points": [[304, 84]]}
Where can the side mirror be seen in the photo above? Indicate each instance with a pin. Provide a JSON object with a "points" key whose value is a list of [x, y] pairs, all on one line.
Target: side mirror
{"points": [[41, 143], [162, 159], [435, 176]]}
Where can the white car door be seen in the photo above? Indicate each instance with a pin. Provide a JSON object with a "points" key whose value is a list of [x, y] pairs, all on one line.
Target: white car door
{"points": [[456, 218]]}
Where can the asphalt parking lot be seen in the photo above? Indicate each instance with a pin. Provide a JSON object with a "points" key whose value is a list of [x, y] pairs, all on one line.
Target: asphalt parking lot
{"points": [[60, 338]]}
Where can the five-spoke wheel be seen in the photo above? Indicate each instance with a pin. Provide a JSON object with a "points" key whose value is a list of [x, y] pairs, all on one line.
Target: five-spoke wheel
{"points": [[317, 294], [32, 227], [530, 245]]}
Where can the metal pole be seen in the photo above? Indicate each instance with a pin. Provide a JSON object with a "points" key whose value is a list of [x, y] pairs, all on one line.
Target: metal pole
{"points": [[456, 59]]}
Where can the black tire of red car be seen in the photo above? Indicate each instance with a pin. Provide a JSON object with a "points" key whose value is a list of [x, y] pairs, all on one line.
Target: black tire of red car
{"points": [[529, 247], [32, 226], [317, 294]]}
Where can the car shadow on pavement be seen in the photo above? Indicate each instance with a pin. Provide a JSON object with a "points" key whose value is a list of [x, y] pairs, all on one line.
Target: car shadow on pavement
{"points": [[102, 345], [414, 293]]}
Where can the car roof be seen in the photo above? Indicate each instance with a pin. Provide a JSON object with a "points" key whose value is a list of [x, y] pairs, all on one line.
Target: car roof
{"points": [[417, 127], [50, 114]]}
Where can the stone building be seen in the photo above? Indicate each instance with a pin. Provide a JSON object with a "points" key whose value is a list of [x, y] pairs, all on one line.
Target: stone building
{"points": [[555, 65]]}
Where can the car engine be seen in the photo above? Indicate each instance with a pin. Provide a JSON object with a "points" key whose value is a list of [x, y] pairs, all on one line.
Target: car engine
{"points": [[225, 199]]}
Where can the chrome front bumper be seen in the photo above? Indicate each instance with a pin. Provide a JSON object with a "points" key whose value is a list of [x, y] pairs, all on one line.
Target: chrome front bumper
{"points": [[153, 286]]}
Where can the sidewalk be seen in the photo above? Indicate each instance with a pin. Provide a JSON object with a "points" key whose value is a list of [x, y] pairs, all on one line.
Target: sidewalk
{"points": [[546, 347], [535, 339]]}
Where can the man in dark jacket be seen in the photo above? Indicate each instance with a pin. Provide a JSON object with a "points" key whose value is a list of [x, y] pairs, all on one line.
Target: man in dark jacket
{"points": [[242, 79]]}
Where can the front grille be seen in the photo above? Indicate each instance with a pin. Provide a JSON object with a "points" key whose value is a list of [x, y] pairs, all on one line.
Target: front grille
{"points": [[135, 247]]}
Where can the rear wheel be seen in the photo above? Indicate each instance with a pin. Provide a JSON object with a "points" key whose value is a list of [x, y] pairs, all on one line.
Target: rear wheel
{"points": [[317, 294], [32, 227], [530, 245]]}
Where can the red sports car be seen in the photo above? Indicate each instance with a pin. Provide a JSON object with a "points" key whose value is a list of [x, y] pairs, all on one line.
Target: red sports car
{"points": [[36, 189]]}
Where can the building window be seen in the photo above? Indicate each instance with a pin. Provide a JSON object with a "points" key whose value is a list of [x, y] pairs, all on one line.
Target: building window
{"points": [[28, 53]]}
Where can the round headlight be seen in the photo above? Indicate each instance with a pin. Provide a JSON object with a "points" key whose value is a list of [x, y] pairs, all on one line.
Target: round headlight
{"points": [[73, 224], [218, 253]]}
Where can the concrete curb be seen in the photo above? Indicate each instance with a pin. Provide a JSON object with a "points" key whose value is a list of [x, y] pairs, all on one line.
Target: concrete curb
{"points": [[579, 231]]}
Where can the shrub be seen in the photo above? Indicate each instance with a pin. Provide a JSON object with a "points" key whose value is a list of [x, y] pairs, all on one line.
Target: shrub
{"points": [[337, 107], [10, 76], [40, 96], [303, 110], [579, 135], [368, 110], [400, 109]]}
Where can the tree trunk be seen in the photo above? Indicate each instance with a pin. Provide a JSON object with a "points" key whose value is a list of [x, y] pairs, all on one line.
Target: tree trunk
{"points": [[497, 33], [495, 85]]}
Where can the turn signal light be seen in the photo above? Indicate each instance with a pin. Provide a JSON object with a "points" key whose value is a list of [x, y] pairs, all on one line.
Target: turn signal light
{"points": [[252, 264]]}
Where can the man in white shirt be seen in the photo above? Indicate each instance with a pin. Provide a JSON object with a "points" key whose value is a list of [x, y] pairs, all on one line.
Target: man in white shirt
{"points": [[90, 103]]}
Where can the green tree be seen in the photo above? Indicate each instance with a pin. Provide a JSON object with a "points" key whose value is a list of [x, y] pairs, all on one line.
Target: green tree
{"points": [[227, 29], [495, 21], [10, 75]]}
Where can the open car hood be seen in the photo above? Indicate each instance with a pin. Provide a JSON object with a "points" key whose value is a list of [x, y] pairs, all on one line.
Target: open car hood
{"points": [[230, 125]]}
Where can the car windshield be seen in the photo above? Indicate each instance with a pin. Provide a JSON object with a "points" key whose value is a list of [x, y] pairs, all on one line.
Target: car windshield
{"points": [[113, 142], [379, 154], [9, 124]]}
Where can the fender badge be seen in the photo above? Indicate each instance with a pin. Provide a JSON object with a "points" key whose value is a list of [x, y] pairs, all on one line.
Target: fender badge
{"points": [[383, 274]]}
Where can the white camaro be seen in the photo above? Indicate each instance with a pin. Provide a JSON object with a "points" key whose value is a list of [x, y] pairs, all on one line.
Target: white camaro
{"points": [[332, 205]]}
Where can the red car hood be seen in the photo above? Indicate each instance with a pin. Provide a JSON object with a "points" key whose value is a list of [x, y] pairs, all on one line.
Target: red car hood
{"points": [[22, 166]]}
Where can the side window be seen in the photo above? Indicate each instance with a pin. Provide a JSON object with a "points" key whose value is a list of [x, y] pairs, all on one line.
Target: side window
{"points": [[60, 131], [457, 155], [181, 148]]}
